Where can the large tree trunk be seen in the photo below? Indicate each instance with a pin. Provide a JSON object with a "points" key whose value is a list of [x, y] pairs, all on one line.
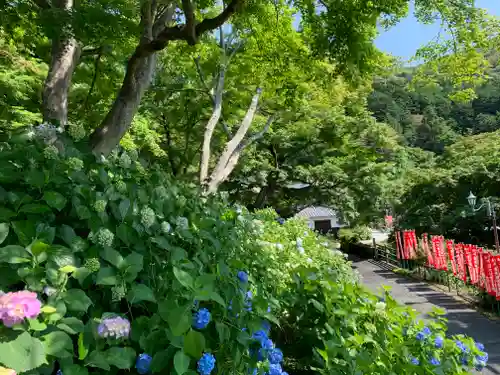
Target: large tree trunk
{"points": [[140, 69], [65, 56]]}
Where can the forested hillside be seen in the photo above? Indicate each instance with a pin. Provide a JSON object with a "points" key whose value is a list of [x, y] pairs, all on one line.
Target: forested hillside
{"points": [[460, 141]]}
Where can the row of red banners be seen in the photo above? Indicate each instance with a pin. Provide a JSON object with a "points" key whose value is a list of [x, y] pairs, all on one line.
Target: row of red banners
{"points": [[469, 263]]}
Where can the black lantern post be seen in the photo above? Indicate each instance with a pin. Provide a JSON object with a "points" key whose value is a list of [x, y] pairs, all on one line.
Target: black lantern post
{"points": [[489, 211]]}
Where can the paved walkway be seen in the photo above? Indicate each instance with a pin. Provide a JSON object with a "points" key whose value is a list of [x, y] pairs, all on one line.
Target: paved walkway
{"points": [[423, 298]]}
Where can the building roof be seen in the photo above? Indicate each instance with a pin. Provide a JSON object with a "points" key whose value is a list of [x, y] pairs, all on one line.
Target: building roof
{"points": [[316, 211]]}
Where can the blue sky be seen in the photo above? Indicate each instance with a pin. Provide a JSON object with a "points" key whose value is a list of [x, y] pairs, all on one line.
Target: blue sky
{"points": [[403, 39]]}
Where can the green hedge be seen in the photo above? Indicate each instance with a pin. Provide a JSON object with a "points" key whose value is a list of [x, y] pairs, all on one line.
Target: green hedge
{"points": [[133, 272]]}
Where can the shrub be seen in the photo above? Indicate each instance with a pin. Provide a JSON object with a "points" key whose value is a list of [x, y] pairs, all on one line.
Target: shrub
{"points": [[110, 266], [356, 234]]}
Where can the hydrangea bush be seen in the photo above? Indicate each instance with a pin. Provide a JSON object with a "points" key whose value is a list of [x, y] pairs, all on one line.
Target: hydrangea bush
{"points": [[107, 266]]}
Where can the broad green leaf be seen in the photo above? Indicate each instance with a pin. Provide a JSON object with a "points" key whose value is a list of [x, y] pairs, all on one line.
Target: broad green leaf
{"points": [[54, 199], [22, 354], [34, 208], [58, 344], [183, 277], [68, 269], [4, 231], [223, 331], [77, 300], [67, 234], [48, 309], [71, 325], [162, 242], [123, 207], [179, 320], [123, 358], [74, 370], [45, 233], [139, 293], [214, 296], [36, 325], [6, 214], [83, 348], [83, 212], [162, 359], [113, 257], [38, 247], [97, 359], [106, 276], [134, 262], [81, 274], [181, 362], [25, 231], [14, 254], [194, 344]]}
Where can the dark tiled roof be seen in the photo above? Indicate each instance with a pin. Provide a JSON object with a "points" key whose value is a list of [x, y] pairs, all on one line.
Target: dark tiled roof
{"points": [[316, 211]]}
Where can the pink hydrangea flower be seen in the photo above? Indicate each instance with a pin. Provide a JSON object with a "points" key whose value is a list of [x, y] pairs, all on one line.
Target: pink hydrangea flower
{"points": [[15, 307], [7, 371]]}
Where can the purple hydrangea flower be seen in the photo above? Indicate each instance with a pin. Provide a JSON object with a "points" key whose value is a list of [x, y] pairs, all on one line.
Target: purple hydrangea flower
{"points": [[201, 318], [206, 364], [143, 363], [116, 327]]}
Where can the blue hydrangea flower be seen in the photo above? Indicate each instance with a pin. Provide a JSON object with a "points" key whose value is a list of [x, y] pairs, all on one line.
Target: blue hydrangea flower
{"points": [[482, 358], [269, 308], [280, 220], [267, 344], [275, 370], [275, 356], [480, 346], [461, 346], [242, 276], [266, 326], [464, 361], [260, 336], [434, 361], [252, 371], [201, 318], [426, 331], [59, 372], [415, 361], [438, 342], [206, 364], [143, 363], [284, 373], [420, 336]]}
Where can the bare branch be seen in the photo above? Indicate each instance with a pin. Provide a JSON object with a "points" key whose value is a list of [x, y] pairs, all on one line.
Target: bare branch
{"points": [[180, 32], [229, 157], [209, 93], [210, 127], [257, 136]]}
